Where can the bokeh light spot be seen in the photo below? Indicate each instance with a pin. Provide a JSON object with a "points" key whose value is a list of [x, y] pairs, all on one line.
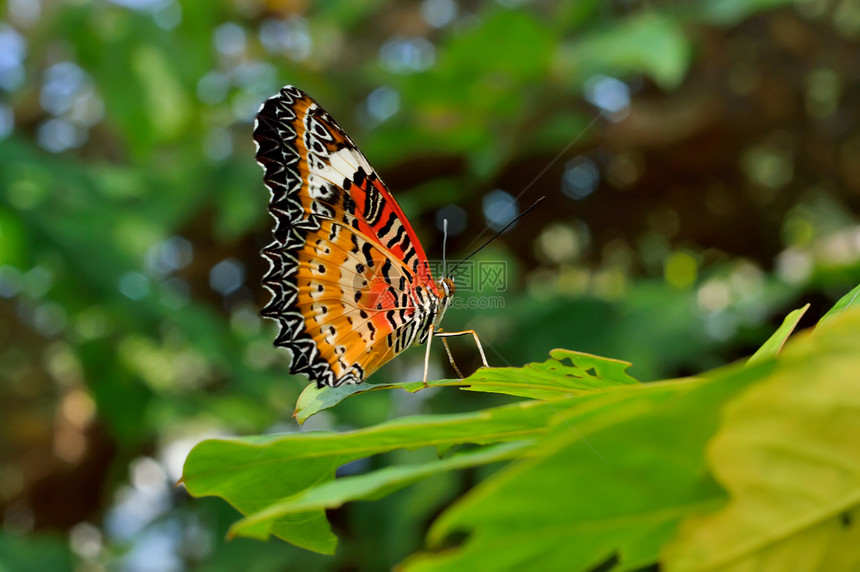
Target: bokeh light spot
{"points": [[230, 39], [500, 208], [7, 121], [609, 94], [227, 276], [58, 135], [680, 270], [581, 178], [13, 49], [407, 55], [382, 103], [438, 13], [290, 37], [134, 285], [457, 218]]}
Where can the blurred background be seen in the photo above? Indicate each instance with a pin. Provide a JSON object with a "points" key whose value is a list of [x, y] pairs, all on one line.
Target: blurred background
{"points": [[700, 159]]}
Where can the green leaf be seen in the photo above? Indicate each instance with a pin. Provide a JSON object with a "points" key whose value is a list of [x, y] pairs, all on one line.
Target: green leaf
{"points": [[377, 484], [649, 43], [253, 473], [775, 342], [249, 475], [566, 373], [787, 453], [848, 302], [314, 399], [615, 478]]}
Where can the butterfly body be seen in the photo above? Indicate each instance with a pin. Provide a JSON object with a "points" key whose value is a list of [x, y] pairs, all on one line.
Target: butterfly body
{"points": [[350, 282]]}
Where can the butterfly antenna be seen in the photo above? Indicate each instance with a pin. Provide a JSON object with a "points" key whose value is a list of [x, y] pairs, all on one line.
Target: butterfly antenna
{"points": [[494, 237], [444, 246]]}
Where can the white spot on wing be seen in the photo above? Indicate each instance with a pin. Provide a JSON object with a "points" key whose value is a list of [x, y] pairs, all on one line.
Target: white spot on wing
{"points": [[347, 162]]}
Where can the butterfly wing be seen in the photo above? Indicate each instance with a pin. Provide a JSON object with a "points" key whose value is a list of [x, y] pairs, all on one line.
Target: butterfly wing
{"points": [[350, 282]]}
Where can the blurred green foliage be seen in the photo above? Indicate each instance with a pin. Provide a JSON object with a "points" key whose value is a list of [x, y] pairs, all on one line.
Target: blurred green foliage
{"points": [[698, 158]]}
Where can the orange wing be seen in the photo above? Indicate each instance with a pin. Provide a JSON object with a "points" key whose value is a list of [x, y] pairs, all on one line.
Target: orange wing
{"points": [[350, 283]]}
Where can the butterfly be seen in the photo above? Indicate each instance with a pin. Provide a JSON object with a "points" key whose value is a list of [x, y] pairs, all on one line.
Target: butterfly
{"points": [[350, 283]]}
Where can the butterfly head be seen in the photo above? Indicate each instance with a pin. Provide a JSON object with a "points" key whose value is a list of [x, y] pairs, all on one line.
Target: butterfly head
{"points": [[446, 289]]}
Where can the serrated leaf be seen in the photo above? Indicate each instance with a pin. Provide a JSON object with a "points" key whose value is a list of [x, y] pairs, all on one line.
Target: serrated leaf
{"points": [[775, 342], [788, 454], [566, 373]]}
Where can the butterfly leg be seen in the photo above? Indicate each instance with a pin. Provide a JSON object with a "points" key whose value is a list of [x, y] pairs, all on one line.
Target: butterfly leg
{"points": [[474, 334], [451, 357], [427, 354]]}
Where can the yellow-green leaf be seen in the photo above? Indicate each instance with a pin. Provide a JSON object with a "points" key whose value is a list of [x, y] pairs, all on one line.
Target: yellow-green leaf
{"points": [[849, 301], [788, 452], [774, 343], [611, 481]]}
